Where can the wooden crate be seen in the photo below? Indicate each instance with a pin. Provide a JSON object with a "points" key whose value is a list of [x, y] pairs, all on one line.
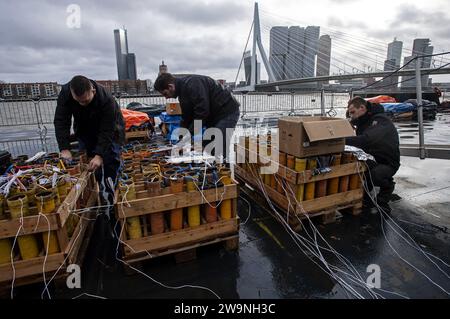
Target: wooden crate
{"points": [[173, 242], [326, 205], [82, 195], [140, 135]]}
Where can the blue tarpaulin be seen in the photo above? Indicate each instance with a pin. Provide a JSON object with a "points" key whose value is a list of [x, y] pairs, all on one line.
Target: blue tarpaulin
{"points": [[398, 107], [172, 122]]}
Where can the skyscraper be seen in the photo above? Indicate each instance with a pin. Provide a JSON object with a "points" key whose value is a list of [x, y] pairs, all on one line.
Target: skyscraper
{"points": [[131, 66], [294, 58], [120, 39], [324, 55], [293, 51], [248, 68], [309, 54], [420, 47], [392, 62], [278, 51], [126, 62], [395, 52]]}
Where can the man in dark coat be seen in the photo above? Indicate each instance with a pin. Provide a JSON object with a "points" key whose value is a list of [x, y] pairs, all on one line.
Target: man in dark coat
{"points": [[98, 125], [376, 135], [202, 98]]}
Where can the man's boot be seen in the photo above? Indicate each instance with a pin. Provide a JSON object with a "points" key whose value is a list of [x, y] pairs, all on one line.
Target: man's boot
{"points": [[367, 202], [384, 196], [385, 193]]}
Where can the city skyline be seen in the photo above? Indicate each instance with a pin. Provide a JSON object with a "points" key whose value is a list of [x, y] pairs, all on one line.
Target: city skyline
{"points": [[420, 47], [202, 37], [293, 51]]}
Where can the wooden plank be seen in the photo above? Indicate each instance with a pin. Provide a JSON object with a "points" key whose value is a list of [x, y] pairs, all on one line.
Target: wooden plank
{"points": [[70, 203], [135, 134], [182, 237], [77, 239], [24, 268], [330, 201], [31, 225], [232, 244], [29, 280], [336, 171], [274, 195], [63, 238], [310, 206], [173, 201], [307, 176], [144, 256]]}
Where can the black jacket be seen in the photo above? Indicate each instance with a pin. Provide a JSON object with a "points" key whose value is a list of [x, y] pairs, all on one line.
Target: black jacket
{"points": [[97, 125], [202, 98], [377, 135]]}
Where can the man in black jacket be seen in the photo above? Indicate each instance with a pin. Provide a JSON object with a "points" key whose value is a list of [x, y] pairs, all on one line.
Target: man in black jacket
{"points": [[98, 126], [376, 135], [202, 98]]}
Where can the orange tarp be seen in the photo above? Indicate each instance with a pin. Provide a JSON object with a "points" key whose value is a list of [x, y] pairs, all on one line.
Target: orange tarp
{"points": [[381, 99], [134, 118]]}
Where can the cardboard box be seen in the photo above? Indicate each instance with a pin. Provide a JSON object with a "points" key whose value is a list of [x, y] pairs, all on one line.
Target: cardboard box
{"points": [[173, 108], [311, 136]]}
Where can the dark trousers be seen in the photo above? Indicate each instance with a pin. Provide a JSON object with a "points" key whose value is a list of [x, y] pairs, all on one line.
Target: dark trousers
{"points": [[105, 242], [228, 122], [380, 175], [106, 175]]}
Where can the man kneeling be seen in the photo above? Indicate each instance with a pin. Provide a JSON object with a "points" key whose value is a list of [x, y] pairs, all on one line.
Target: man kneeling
{"points": [[376, 135]]}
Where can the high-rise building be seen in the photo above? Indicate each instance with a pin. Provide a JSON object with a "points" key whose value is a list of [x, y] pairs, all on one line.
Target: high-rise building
{"points": [[392, 62], [278, 51], [420, 47], [126, 62], [395, 52], [258, 71], [120, 39], [248, 68], [294, 60], [324, 55], [309, 54], [131, 66], [293, 51]]}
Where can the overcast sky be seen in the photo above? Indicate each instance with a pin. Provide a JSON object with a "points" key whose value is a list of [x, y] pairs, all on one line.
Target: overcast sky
{"points": [[195, 36]]}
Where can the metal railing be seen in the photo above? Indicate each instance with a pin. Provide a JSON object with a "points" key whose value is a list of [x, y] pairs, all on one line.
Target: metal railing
{"points": [[291, 103], [26, 126]]}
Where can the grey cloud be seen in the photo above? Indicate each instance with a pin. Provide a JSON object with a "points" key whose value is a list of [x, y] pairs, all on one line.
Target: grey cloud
{"points": [[335, 22], [412, 15], [338, 23], [38, 46], [198, 12]]}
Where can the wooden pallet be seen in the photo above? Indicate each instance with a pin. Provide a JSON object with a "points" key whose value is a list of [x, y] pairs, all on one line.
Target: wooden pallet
{"points": [[83, 194], [173, 242], [30, 272], [139, 135], [325, 207]]}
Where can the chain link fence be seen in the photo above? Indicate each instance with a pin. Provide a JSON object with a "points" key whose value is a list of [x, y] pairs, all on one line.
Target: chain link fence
{"points": [[26, 126]]}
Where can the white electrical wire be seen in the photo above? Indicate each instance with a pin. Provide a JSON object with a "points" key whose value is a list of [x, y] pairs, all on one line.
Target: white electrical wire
{"points": [[383, 218], [119, 241]]}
